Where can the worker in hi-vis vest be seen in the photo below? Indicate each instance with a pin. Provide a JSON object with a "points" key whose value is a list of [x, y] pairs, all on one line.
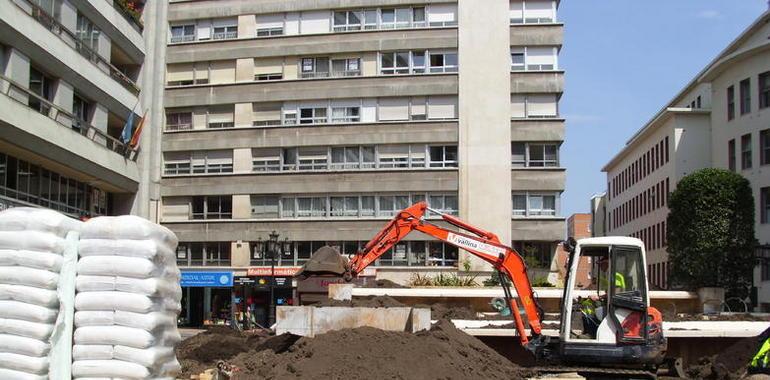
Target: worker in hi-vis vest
{"points": [[760, 363]]}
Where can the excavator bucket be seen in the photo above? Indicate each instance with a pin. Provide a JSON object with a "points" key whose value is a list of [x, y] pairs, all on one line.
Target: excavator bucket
{"points": [[325, 261]]}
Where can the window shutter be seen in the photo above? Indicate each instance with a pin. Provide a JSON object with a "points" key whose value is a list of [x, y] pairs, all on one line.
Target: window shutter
{"points": [[220, 22], [393, 151], [203, 29], [270, 21], [221, 114], [442, 13], [541, 56], [202, 71], [179, 72], [176, 208], [315, 22], [393, 109], [442, 107], [223, 72], [518, 108], [219, 157], [266, 111], [540, 9], [541, 105], [419, 110], [268, 66]]}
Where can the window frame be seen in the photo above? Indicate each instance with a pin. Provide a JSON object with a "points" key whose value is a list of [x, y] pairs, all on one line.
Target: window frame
{"points": [[730, 103], [763, 87], [531, 211], [184, 37], [746, 152], [745, 96]]}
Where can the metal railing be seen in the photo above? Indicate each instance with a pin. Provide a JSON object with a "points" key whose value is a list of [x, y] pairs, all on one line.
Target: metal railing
{"points": [[225, 35], [182, 38], [69, 38], [21, 94]]}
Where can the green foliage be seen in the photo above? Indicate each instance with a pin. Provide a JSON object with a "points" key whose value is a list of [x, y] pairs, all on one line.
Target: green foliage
{"points": [[442, 280], [542, 282], [530, 256], [494, 280], [467, 264], [132, 8], [711, 231]]}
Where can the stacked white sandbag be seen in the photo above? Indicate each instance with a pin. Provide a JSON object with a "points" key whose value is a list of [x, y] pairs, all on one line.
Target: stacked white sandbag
{"points": [[127, 300], [32, 244]]}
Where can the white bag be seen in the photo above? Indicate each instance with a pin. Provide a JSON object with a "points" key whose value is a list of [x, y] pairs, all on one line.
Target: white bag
{"points": [[126, 227], [31, 240], [9, 374], [28, 276], [124, 266], [146, 249], [109, 368], [171, 367], [27, 312], [149, 357], [114, 335], [34, 330], [148, 322], [153, 287], [37, 219], [137, 303], [92, 352], [31, 364], [31, 259], [28, 294], [23, 346]]}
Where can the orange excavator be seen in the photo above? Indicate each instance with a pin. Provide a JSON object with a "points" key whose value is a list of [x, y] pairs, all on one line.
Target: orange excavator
{"points": [[607, 328]]}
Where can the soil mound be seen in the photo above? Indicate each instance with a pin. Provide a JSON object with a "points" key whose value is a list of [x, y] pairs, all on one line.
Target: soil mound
{"points": [[442, 311], [370, 301], [202, 351], [383, 284], [444, 352], [731, 363]]}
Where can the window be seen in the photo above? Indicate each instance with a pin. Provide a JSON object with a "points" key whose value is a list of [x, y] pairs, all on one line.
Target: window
{"points": [[266, 160], [182, 33], [312, 158], [537, 254], [730, 103], [393, 156], [443, 62], [764, 147], [764, 206], [731, 154], [347, 20], [344, 206], [221, 116], [764, 90], [396, 18], [440, 254], [446, 204], [354, 157], [534, 154], [349, 67], [212, 207], [312, 207], [346, 114], [534, 204], [315, 115], [517, 61], [443, 156], [270, 25], [203, 162], [42, 86], [698, 102], [178, 121], [391, 204], [264, 206], [82, 111], [87, 33], [745, 96], [314, 67], [746, 151], [225, 32], [395, 63]]}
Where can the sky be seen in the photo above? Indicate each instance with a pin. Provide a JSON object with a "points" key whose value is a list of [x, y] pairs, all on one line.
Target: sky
{"points": [[624, 61]]}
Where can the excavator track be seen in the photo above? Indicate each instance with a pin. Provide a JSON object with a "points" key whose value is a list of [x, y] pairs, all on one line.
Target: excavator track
{"points": [[599, 373]]}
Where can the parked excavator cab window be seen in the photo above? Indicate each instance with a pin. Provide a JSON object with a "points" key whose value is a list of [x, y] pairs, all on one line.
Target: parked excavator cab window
{"points": [[629, 274], [592, 307]]}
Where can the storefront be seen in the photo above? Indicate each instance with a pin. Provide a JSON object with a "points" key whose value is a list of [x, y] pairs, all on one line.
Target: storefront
{"points": [[206, 298], [252, 298]]}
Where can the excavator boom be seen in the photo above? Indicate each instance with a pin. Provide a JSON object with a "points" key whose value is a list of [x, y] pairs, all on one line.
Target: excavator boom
{"points": [[478, 242]]}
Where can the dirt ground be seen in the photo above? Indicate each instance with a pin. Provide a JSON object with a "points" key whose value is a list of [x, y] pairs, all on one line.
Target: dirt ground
{"points": [[444, 352], [671, 317], [731, 363]]}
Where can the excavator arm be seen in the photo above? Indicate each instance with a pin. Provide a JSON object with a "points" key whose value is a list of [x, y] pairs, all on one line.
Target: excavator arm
{"points": [[480, 243]]}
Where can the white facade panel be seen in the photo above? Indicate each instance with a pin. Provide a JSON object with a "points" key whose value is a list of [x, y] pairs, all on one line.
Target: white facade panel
{"points": [[541, 56]]}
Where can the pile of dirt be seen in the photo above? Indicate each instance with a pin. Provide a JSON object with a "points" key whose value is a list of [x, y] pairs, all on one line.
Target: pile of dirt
{"points": [[729, 364], [202, 351], [444, 352], [671, 317], [370, 301], [443, 311], [383, 284]]}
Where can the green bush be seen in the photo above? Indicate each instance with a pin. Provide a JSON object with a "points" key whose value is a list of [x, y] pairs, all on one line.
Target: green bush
{"points": [[442, 280], [710, 231]]}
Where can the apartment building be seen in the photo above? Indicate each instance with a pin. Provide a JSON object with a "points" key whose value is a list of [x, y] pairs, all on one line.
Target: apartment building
{"points": [[321, 119], [720, 119], [69, 81]]}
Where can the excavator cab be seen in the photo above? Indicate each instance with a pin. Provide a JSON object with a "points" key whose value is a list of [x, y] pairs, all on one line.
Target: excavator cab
{"points": [[607, 318]]}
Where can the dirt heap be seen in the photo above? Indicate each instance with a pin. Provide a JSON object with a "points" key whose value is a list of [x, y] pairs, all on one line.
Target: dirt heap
{"points": [[444, 352], [202, 351], [731, 363], [383, 283], [370, 301]]}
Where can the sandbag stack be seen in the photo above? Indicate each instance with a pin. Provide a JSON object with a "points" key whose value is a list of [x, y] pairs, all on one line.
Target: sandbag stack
{"points": [[127, 302], [32, 244]]}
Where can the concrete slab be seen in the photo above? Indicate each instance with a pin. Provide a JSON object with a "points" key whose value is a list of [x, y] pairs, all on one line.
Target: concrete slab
{"points": [[310, 321]]}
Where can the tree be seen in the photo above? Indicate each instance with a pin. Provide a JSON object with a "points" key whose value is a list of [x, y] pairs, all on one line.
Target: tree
{"points": [[710, 231]]}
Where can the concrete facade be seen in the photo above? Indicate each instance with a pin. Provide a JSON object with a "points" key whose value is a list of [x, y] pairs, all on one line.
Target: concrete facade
{"points": [[266, 103], [720, 119], [69, 79]]}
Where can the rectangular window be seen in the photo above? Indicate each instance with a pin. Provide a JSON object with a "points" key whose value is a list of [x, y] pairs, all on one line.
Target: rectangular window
{"points": [[312, 158], [533, 204], [182, 33], [745, 96], [217, 254], [764, 90], [81, 108], [393, 156], [731, 103], [391, 204], [764, 147], [346, 114], [315, 115], [446, 204], [270, 25], [212, 207], [396, 62], [443, 156], [88, 34], [266, 160], [344, 206], [350, 67], [746, 151], [41, 87], [534, 154], [311, 207], [764, 207], [178, 121], [517, 61], [314, 67], [443, 62], [264, 206], [347, 20], [225, 29]]}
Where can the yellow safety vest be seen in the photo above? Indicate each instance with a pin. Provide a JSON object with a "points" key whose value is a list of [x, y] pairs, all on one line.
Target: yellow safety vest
{"points": [[620, 282], [760, 360]]}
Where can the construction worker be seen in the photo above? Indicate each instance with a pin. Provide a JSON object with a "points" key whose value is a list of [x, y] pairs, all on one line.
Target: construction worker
{"points": [[760, 363], [620, 280]]}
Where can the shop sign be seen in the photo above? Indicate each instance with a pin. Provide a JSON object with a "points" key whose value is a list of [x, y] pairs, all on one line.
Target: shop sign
{"points": [[267, 271], [207, 279], [263, 282]]}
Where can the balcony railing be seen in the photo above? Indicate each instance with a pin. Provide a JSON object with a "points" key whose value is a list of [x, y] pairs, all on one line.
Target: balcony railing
{"points": [[132, 16], [225, 35], [182, 38], [69, 38], [22, 95]]}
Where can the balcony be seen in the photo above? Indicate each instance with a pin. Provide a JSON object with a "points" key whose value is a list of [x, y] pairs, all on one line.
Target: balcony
{"points": [[537, 82], [544, 34], [70, 39], [27, 98], [131, 10], [332, 74]]}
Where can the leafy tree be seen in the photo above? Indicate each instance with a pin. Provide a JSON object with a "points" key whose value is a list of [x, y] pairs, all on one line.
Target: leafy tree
{"points": [[711, 231]]}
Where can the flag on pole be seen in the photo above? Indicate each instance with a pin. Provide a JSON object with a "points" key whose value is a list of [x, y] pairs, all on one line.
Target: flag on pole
{"points": [[135, 138], [128, 129]]}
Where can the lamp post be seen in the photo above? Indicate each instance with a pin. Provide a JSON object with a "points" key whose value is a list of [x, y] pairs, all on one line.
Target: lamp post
{"points": [[273, 246]]}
